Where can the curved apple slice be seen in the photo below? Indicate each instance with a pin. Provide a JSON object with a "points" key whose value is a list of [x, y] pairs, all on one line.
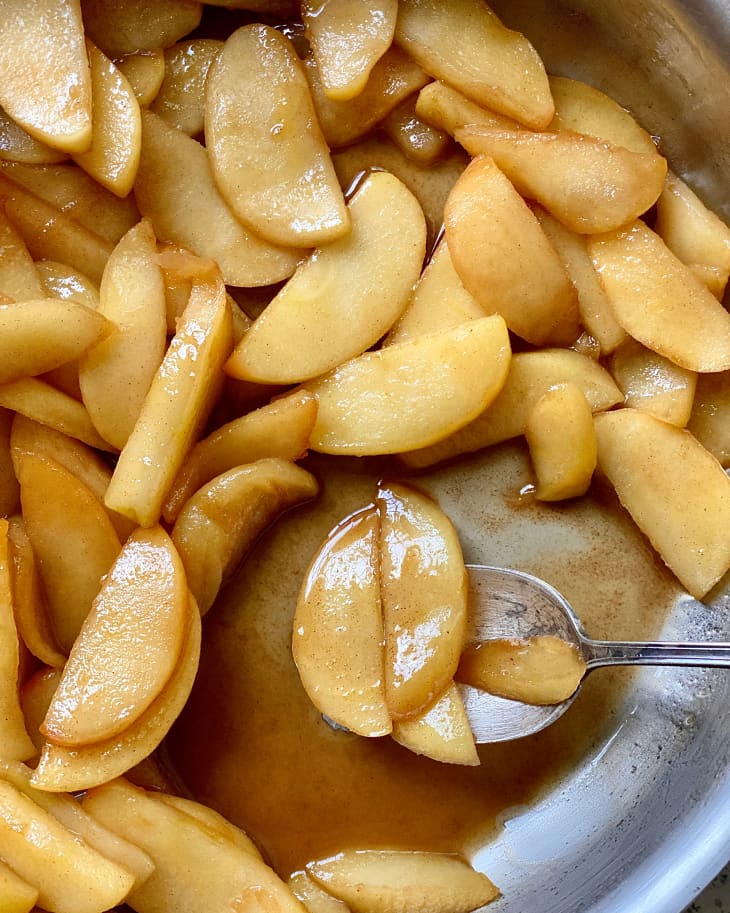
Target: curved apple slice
{"points": [[19, 279], [181, 99], [213, 821], [125, 26], [69, 770], [267, 152], [16, 895], [44, 73], [144, 71], [222, 519], [337, 636], [17, 145], [128, 646], [413, 393], [313, 896], [355, 287], [442, 732]]}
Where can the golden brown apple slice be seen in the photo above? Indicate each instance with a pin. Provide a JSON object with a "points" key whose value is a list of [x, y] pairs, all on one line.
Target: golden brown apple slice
{"points": [[280, 429], [181, 99], [540, 670], [70, 770], [415, 137], [17, 145], [562, 442], [348, 38], [531, 375], [44, 74], [658, 300], [442, 732], [19, 278], [220, 522], [355, 287], [267, 153], [504, 259], [70, 876], [116, 374], [195, 868], [213, 821], [177, 403], [446, 108], [313, 896], [412, 394], [337, 634], [382, 881], [590, 185], [13, 736], [35, 698], [9, 488], [128, 647], [710, 419], [675, 490], [16, 895], [125, 26], [144, 71], [423, 592]]}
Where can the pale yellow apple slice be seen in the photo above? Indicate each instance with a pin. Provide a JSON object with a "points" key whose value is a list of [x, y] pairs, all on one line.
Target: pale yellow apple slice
{"points": [[116, 374], [213, 821], [446, 108], [193, 214], [423, 593], [9, 489], [383, 881], [16, 895], [337, 634], [393, 78], [348, 38], [504, 259], [73, 540], [177, 403], [710, 419], [70, 770], [219, 523], [19, 278], [652, 383], [590, 185], [181, 99], [464, 44], [113, 156], [128, 646], [17, 145], [675, 490], [266, 149], [44, 73], [415, 137], [16, 743], [531, 375], [412, 394], [61, 281], [280, 429], [580, 108], [442, 732], [195, 868], [562, 442], [539, 670], [125, 26], [439, 301], [659, 301], [145, 72], [70, 876], [353, 290], [313, 896]]}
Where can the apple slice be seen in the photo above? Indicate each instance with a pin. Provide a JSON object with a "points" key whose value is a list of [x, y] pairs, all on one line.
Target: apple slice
{"points": [[181, 99], [144, 71], [176, 406], [658, 300], [348, 39], [116, 374], [446, 108], [675, 490], [710, 419], [383, 881], [17, 145], [61, 281], [442, 732], [213, 821], [415, 137], [504, 259], [128, 646], [35, 698], [70, 770], [590, 185], [44, 73], [355, 287], [9, 488], [267, 153], [125, 26], [337, 633], [219, 523], [423, 592], [531, 375], [19, 278], [313, 896], [412, 394], [16, 895]]}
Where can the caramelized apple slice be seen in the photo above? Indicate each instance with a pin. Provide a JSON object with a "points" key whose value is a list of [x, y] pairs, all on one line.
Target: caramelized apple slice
{"points": [[337, 633], [44, 74], [144, 71], [17, 145], [267, 153], [213, 821], [415, 137], [9, 488], [19, 278], [61, 281], [35, 699], [122, 27], [677, 493], [411, 394], [314, 897], [16, 895], [710, 419], [423, 592], [181, 99], [355, 287], [382, 881], [446, 108], [442, 732]]}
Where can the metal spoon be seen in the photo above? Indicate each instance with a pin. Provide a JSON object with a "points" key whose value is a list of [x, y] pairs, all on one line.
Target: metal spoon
{"points": [[507, 603]]}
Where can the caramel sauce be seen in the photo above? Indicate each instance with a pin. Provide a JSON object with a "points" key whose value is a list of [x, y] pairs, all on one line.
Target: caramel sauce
{"points": [[251, 744]]}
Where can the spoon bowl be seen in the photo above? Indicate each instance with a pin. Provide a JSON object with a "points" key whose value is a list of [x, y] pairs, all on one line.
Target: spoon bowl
{"points": [[506, 603]]}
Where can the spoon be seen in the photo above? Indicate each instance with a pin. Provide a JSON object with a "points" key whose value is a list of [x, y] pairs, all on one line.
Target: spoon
{"points": [[506, 603]]}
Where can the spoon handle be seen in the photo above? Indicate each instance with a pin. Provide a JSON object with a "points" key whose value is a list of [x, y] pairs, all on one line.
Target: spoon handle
{"points": [[626, 653]]}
